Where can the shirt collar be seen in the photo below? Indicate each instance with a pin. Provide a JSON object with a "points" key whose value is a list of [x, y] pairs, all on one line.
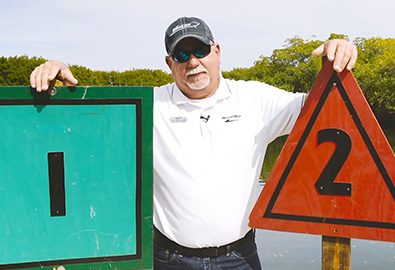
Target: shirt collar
{"points": [[222, 92]]}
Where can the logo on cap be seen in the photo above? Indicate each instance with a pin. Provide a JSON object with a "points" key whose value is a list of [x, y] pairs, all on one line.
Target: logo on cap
{"points": [[193, 24]]}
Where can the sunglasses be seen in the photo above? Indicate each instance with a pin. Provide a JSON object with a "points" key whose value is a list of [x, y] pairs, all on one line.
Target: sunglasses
{"points": [[200, 51]]}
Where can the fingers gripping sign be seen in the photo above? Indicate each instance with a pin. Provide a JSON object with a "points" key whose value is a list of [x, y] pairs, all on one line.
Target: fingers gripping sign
{"points": [[45, 74], [341, 52]]}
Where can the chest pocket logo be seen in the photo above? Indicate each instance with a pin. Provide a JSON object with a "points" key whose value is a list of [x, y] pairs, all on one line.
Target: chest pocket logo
{"points": [[231, 118], [178, 119]]}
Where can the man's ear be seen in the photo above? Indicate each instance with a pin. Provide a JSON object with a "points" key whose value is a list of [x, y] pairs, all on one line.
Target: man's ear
{"points": [[168, 61], [217, 49]]}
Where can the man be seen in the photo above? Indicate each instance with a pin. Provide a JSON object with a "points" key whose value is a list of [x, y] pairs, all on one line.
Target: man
{"points": [[210, 138]]}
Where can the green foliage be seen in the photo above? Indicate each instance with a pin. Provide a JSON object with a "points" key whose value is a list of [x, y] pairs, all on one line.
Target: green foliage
{"points": [[293, 68], [16, 70], [338, 36], [375, 73], [136, 77], [237, 74]]}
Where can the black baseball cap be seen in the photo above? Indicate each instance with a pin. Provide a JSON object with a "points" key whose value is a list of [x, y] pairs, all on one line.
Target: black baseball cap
{"points": [[187, 27]]}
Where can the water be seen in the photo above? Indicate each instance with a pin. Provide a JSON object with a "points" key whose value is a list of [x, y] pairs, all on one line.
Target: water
{"points": [[293, 251]]}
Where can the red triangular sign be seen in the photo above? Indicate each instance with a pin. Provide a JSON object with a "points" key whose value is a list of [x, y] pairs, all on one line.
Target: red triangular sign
{"points": [[335, 175]]}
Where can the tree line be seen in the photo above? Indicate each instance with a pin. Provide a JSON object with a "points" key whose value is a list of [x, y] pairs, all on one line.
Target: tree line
{"points": [[16, 71], [291, 68]]}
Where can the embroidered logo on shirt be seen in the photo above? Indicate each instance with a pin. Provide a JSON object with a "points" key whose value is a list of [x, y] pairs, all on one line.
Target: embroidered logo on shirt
{"points": [[231, 118], [178, 119]]}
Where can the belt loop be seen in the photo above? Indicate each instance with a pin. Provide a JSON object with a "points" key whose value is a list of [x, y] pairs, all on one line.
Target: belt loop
{"points": [[227, 250], [180, 252]]}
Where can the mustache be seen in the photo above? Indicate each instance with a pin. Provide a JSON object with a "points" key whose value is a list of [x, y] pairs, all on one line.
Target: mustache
{"points": [[196, 70]]}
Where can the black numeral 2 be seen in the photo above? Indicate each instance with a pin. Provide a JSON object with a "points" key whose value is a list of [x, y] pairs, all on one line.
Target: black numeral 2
{"points": [[325, 184]]}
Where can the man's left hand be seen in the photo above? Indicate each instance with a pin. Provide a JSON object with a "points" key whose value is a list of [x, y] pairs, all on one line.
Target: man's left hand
{"points": [[343, 53]]}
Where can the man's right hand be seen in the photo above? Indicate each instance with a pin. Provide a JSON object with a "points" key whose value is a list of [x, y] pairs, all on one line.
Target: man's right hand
{"points": [[43, 75]]}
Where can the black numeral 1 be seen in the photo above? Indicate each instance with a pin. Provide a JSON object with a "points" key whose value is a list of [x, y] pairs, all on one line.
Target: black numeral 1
{"points": [[57, 192]]}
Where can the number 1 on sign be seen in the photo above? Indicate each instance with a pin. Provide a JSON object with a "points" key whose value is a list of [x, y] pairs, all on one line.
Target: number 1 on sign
{"points": [[56, 184]]}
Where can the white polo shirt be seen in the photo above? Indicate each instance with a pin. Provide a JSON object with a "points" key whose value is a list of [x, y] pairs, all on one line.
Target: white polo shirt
{"points": [[208, 156]]}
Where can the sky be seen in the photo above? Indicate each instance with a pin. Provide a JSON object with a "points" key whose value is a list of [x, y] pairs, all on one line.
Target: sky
{"points": [[129, 34]]}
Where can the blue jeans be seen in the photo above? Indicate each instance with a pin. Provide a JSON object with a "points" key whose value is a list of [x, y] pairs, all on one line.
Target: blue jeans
{"points": [[245, 257]]}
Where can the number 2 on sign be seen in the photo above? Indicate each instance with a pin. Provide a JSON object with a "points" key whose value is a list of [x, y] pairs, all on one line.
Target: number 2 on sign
{"points": [[325, 184]]}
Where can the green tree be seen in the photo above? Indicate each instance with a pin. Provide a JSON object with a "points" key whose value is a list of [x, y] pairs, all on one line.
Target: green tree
{"points": [[136, 77], [293, 68], [238, 74], [16, 70], [375, 73]]}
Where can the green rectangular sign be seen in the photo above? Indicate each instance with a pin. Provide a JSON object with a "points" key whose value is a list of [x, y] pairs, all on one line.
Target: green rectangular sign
{"points": [[76, 184]]}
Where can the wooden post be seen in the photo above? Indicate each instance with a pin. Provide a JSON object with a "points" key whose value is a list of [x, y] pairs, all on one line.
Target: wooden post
{"points": [[336, 253]]}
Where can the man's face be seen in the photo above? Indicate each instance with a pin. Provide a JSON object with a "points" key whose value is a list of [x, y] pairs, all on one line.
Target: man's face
{"points": [[197, 78]]}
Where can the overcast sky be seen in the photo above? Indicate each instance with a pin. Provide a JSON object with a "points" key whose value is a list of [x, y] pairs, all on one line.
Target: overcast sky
{"points": [[129, 34]]}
